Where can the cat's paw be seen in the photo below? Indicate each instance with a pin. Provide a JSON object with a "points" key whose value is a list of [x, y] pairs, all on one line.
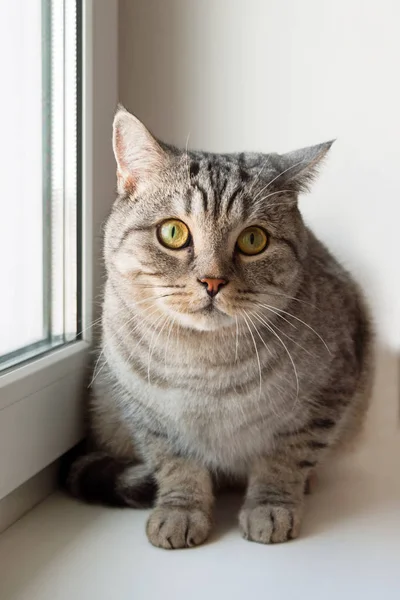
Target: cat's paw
{"points": [[269, 524], [173, 528]]}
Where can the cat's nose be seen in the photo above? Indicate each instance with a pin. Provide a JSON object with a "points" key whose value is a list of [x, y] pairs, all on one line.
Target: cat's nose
{"points": [[213, 285]]}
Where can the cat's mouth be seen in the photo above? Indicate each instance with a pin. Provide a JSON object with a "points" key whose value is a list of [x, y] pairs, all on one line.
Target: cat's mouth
{"points": [[207, 309], [208, 315]]}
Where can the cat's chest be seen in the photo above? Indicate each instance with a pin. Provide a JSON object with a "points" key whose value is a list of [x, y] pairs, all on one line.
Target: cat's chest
{"points": [[224, 432], [221, 418]]}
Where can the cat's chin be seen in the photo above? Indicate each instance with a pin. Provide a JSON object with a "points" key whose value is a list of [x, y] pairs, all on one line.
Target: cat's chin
{"points": [[205, 321]]}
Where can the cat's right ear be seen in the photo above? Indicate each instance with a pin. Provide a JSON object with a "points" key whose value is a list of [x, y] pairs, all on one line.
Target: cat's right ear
{"points": [[138, 154]]}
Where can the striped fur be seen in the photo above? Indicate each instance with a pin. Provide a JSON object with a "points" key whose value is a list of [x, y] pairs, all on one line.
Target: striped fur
{"points": [[256, 386]]}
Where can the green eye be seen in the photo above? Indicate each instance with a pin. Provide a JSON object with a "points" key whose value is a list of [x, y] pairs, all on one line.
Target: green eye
{"points": [[173, 234], [252, 240]]}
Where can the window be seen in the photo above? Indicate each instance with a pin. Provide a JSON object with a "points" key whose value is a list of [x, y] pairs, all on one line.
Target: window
{"points": [[58, 60], [39, 301]]}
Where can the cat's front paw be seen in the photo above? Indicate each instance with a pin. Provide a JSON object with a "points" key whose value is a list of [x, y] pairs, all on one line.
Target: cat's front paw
{"points": [[270, 524], [173, 528]]}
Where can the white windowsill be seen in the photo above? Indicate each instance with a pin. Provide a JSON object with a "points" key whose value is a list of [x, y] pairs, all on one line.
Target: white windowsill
{"points": [[40, 413], [349, 546]]}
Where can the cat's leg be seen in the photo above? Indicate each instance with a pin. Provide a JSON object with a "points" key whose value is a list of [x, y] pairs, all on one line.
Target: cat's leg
{"points": [[273, 507], [182, 516]]}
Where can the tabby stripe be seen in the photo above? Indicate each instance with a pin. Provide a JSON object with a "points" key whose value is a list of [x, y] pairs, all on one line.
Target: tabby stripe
{"points": [[306, 464], [129, 232], [271, 500], [187, 539], [214, 180], [268, 490], [271, 516], [322, 424], [156, 433], [181, 500], [194, 169], [161, 380], [290, 532], [203, 195], [286, 434], [167, 470], [156, 274], [290, 244], [317, 445], [333, 400], [360, 339], [188, 202], [175, 499], [242, 159], [223, 187], [244, 176], [232, 199]]}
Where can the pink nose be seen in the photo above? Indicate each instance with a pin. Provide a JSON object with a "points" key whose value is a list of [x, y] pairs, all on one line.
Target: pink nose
{"points": [[213, 285]]}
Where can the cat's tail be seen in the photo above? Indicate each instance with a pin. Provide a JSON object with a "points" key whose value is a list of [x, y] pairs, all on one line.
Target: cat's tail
{"points": [[99, 478]]}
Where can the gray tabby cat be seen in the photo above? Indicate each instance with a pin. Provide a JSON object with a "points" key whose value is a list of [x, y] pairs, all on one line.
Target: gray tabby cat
{"points": [[235, 348]]}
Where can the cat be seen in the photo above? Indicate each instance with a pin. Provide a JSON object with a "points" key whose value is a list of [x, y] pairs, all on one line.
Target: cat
{"points": [[235, 348]]}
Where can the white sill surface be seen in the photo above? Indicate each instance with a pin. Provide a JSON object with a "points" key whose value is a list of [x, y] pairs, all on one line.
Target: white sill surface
{"points": [[349, 546]]}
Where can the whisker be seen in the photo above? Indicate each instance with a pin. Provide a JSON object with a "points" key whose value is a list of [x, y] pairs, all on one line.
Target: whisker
{"points": [[155, 285], [289, 298], [99, 319], [277, 177], [269, 293], [257, 177], [137, 274], [115, 334], [287, 203], [152, 326], [279, 310], [280, 316], [257, 355], [93, 323], [258, 333], [268, 321], [272, 403], [273, 194], [289, 355], [151, 347], [155, 298], [105, 346], [237, 339], [166, 346]]}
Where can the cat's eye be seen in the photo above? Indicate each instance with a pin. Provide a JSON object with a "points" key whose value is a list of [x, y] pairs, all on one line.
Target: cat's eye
{"points": [[252, 240], [173, 234]]}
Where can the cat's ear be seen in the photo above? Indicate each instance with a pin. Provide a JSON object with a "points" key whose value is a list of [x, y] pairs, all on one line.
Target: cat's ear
{"points": [[299, 168], [138, 154]]}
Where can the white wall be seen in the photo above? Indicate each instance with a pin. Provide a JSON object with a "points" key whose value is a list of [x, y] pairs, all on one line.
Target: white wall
{"points": [[274, 75]]}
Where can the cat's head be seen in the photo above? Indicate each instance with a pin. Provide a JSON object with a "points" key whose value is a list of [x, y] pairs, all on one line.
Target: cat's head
{"points": [[205, 238]]}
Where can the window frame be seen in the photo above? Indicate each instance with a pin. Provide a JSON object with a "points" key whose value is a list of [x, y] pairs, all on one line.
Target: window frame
{"points": [[41, 401]]}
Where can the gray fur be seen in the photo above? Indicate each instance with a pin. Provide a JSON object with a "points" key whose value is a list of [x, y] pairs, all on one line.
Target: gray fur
{"points": [[256, 386]]}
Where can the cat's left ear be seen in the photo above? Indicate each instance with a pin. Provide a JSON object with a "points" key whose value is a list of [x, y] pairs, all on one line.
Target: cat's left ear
{"points": [[139, 156], [299, 168]]}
